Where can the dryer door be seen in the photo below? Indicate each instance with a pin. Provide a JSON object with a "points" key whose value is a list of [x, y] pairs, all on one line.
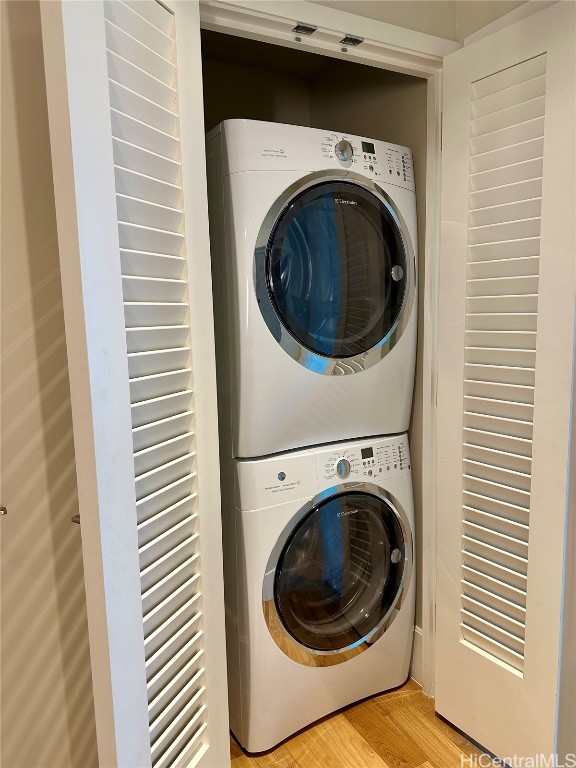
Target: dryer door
{"points": [[335, 274], [340, 574]]}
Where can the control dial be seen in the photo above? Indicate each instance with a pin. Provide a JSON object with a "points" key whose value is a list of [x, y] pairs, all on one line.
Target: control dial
{"points": [[343, 468], [344, 150]]}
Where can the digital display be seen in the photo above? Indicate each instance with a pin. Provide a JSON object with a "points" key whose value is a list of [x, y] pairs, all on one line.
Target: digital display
{"points": [[367, 453], [367, 147]]}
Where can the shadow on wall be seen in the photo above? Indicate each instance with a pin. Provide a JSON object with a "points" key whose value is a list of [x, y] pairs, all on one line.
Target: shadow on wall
{"points": [[46, 687]]}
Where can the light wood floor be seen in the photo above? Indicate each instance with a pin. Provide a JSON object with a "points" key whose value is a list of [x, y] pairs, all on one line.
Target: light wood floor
{"points": [[396, 730]]}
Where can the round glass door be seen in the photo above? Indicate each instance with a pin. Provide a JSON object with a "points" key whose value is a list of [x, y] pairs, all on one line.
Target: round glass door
{"points": [[340, 571], [337, 270]]}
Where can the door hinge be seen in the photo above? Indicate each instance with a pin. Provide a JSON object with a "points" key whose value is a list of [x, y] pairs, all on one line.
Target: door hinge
{"points": [[441, 130]]}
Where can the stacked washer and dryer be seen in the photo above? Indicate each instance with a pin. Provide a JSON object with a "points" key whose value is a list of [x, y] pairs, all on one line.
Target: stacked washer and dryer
{"points": [[313, 238]]}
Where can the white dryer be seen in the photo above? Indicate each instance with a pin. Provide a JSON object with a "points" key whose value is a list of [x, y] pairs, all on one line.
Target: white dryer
{"points": [[319, 584], [313, 239]]}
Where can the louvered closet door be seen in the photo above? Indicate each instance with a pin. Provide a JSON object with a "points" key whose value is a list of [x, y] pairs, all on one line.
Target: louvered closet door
{"points": [[124, 88], [506, 324]]}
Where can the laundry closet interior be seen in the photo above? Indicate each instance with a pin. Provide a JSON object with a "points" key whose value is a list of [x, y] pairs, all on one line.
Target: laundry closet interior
{"points": [[244, 78], [489, 204]]}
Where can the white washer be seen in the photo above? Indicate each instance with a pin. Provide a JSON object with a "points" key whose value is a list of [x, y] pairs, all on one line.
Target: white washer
{"points": [[319, 584], [313, 238]]}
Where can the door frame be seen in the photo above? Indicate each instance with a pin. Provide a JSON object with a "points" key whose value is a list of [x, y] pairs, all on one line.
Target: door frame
{"points": [[397, 49]]}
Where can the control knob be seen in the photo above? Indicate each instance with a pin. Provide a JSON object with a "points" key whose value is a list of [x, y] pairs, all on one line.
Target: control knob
{"points": [[343, 468], [344, 150]]}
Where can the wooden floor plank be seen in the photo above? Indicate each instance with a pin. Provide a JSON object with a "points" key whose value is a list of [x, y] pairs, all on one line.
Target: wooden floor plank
{"points": [[398, 729], [346, 740], [425, 706], [235, 748], [384, 736], [310, 749], [439, 751]]}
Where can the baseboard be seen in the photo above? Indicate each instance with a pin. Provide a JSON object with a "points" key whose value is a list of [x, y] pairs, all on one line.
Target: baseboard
{"points": [[416, 663]]}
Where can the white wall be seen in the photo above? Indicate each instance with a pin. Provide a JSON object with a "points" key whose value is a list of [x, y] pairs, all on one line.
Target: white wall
{"points": [[47, 713], [451, 19]]}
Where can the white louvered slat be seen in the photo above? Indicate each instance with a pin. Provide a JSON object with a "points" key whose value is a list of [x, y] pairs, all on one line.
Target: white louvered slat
{"points": [[178, 646], [160, 569], [137, 237], [505, 198], [134, 24], [506, 193], [158, 524], [161, 589], [149, 214], [505, 137], [507, 607], [505, 321], [139, 314], [495, 158], [495, 506], [499, 390], [139, 54], [507, 78], [504, 249], [157, 361], [147, 411], [521, 358], [142, 264], [155, 455], [160, 500], [499, 212], [493, 586], [188, 674], [145, 128], [158, 385], [130, 103], [509, 116], [513, 267], [143, 339], [497, 523], [140, 185], [161, 430], [163, 475], [503, 374], [154, 13], [121, 70], [505, 459]]}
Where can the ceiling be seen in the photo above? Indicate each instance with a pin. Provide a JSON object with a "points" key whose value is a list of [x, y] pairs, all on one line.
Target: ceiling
{"points": [[451, 19]]}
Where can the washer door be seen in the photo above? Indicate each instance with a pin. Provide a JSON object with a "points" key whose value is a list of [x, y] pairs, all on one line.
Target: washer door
{"points": [[341, 572], [337, 272]]}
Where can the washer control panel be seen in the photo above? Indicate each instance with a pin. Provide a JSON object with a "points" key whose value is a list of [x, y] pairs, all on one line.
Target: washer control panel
{"points": [[300, 475], [367, 461]]}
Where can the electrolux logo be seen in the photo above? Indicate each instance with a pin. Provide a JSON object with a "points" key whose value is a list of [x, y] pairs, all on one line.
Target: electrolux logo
{"points": [[347, 512], [345, 202]]}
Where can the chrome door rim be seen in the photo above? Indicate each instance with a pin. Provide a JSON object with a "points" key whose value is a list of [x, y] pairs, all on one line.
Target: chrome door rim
{"points": [[289, 343], [302, 653]]}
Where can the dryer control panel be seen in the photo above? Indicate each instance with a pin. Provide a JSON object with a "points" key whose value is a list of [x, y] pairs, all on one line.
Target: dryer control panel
{"points": [[376, 159], [252, 145], [367, 461]]}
